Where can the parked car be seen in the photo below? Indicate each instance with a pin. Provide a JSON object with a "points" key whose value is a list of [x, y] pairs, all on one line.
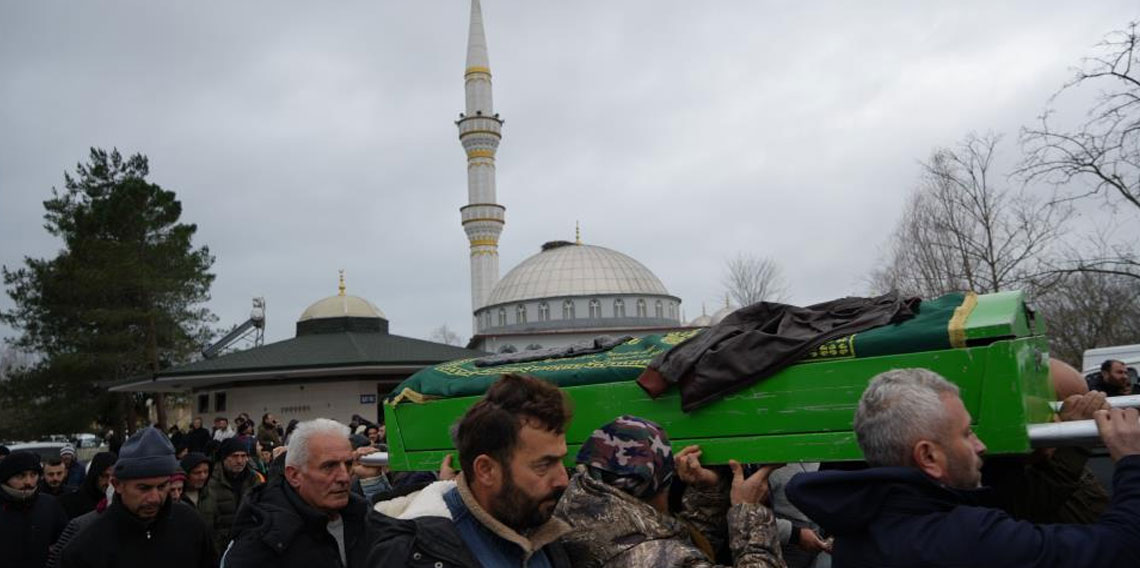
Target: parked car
{"points": [[44, 449]]}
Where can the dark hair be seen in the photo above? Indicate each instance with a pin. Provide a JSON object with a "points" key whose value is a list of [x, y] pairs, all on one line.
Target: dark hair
{"points": [[53, 461], [492, 425], [1107, 365]]}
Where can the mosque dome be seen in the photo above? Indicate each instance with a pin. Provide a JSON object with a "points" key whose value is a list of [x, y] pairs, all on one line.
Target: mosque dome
{"points": [[569, 269], [341, 307], [341, 313], [721, 314], [703, 320]]}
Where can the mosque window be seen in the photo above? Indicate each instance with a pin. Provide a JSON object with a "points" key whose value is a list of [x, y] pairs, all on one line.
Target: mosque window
{"points": [[502, 317], [619, 308], [520, 312], [642, 310], [595, 309], [658, 310], [486, 319], [568, 309], [672, 310], [543, 311]]}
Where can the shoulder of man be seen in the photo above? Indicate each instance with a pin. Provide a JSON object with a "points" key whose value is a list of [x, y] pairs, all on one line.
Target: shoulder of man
{"points": [[399, 542]]}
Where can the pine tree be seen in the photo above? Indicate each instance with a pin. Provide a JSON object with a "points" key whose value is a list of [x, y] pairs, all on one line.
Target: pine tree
{"points": [[122, 298]]}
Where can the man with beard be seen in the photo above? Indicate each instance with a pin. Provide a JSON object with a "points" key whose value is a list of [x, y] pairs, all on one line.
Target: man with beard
{"points": [[308, 517], [76, 470], [52, 481], [142, 527], [498, 511], [29, 521], [918, 503], [94, 487], [229, 484]]}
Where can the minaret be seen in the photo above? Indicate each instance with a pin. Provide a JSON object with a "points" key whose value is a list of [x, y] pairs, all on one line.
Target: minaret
{"points": [[479, 132]]}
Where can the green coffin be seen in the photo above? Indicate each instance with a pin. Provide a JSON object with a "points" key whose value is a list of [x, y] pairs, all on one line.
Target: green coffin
{"points": [[990, 345]]}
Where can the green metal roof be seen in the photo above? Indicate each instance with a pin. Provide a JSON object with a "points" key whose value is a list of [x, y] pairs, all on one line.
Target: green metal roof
{"points": [[325, 350]]}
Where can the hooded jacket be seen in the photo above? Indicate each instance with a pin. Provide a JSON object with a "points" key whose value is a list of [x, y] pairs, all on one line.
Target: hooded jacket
{"points": [[28, 528], [84, 499], [896, 516], [612, 529], [275, 527], [176, 538], [433, 527]]}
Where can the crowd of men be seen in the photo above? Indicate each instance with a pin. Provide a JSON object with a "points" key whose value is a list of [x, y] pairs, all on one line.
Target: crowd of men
{"points": [[207, 499]]}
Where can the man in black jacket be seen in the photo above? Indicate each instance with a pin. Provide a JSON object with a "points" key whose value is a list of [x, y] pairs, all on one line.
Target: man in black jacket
{"points": [[308, 517], [29, 520], [197, 437], [94, 487], [142, 527]]}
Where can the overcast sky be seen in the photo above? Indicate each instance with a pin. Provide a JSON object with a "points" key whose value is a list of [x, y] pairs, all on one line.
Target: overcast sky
{"points": [[303, 138]]}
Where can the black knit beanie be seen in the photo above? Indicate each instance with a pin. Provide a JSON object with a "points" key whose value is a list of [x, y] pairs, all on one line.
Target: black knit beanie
{"points": [[147, 453]]}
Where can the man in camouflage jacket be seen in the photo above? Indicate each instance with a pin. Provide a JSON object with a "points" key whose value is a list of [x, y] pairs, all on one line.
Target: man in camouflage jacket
{"points": [[617, 506]]}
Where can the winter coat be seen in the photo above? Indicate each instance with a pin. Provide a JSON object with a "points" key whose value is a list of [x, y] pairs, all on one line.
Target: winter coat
{"points": [[896, 516], [76, 473], [175, 538], [197, 439], [443, 526], [84, 499], [268, 433], [275, 527], [610, 528], [1057, 488], [757, 341], [74, 527], [28, 528], [207, 507], [225, 504]]}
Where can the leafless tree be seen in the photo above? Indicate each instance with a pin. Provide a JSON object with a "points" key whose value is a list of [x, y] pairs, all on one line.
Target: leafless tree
{"points": [[749, 279], [1100, 156], [962, 229], [444, 335], [1090, 309]]}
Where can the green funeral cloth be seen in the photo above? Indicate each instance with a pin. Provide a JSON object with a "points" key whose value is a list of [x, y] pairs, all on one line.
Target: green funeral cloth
{"points": [[462, 378], [932, 329]]}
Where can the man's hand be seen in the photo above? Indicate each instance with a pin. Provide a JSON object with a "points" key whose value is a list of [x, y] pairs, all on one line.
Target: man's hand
{"points": [[752, 490], [690, 470], [446, 472], [1120, 430], [810, 541], [362, 471], [279, 450], [1082, 406]]}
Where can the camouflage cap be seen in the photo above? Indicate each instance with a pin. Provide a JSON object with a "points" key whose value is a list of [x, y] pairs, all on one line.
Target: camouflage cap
{"points": [[632, 454]]}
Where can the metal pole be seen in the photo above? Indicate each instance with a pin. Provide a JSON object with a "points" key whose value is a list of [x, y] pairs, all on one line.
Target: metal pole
{"points": [[1075, 433], [1130, 401], [381, 458]]}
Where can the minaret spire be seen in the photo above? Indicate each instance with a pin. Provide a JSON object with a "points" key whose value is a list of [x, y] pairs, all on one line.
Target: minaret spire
{"points": [[480, 130]]}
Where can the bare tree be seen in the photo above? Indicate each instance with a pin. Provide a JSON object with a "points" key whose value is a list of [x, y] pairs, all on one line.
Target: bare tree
{"points": [[1100, 156], [444, 335], [749, 279], [1088, 310], [962, 230]]}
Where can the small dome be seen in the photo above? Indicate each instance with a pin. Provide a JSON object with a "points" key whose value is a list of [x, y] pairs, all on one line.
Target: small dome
{"points": [[570, 269], [340, 307], [721, 314], [703, 320]]}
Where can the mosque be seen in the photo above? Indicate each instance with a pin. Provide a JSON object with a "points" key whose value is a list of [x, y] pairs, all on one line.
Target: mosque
{"points": [[343, 360]]}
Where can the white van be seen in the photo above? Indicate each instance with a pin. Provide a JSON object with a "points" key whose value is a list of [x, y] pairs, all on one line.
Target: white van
{"points": [[1129, 354]]}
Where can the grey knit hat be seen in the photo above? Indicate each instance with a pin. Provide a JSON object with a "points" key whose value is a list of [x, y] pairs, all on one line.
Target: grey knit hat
{"points": [[147, 453]]}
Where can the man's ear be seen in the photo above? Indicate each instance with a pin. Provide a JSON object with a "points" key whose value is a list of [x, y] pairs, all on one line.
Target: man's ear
{"points": [[929, 458], [486, 472], [293, 476]]}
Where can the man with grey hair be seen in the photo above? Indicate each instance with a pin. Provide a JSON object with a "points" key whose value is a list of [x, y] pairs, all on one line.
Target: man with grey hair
{"points": [[918, 504], [308, 517]]}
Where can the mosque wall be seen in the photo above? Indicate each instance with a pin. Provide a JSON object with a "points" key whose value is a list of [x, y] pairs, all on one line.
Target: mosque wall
{"points": [[337, 400]]}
